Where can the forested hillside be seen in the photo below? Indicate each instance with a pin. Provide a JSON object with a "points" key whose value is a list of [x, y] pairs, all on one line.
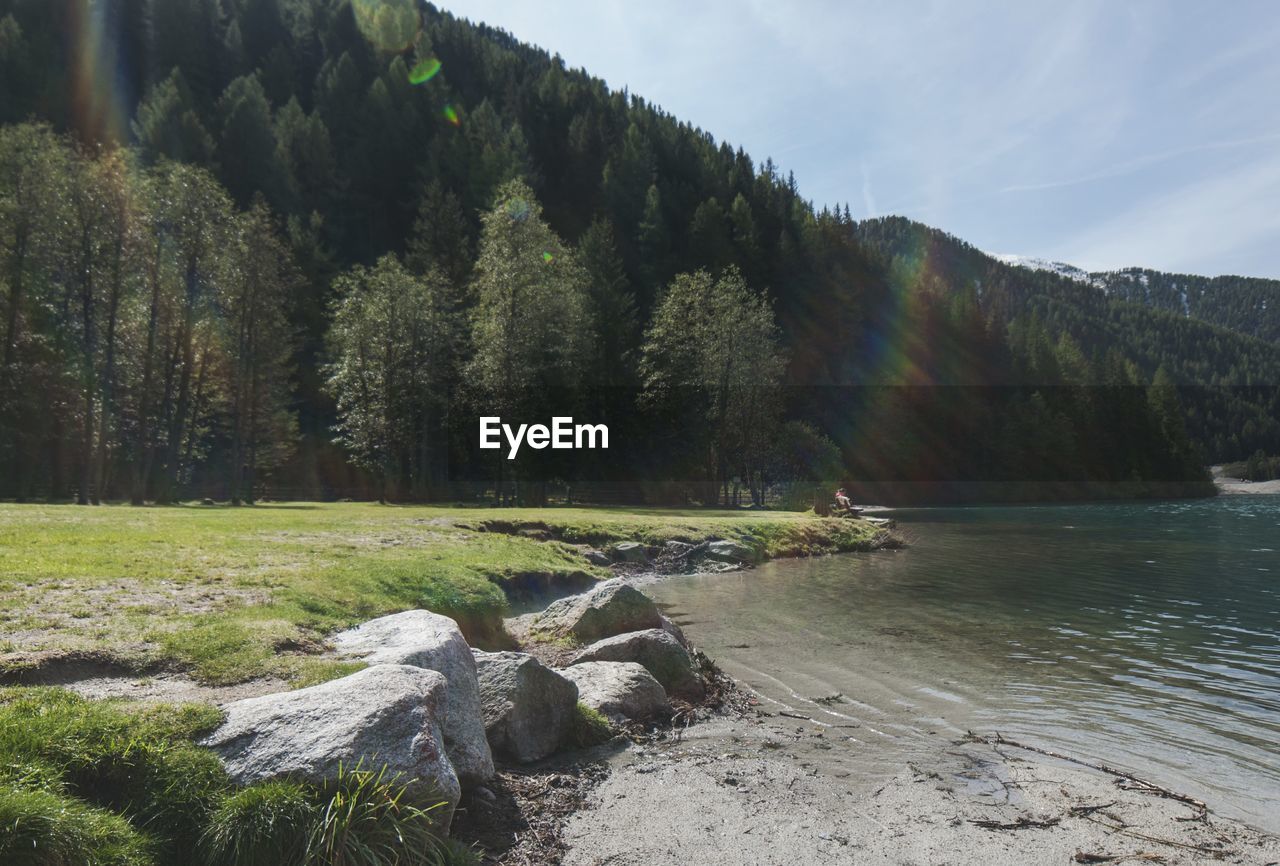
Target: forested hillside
{"points": [[296, 247], [1250, 306], [1227, 381]]}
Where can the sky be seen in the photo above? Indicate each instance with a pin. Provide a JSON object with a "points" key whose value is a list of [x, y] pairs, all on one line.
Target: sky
{"points": [[1103, 133]]}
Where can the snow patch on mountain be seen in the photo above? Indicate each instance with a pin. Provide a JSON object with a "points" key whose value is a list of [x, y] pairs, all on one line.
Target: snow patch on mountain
{"points": [[1071, 272]]}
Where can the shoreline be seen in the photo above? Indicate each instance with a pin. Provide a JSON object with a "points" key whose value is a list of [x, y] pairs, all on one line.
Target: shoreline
{"points": [[746, 784], [1239, 487], [750, 784], [772, 789]]}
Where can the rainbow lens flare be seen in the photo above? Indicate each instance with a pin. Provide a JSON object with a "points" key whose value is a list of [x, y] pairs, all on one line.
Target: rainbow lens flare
{"points": [[391, 25], [451, 115], [424, 70], [548, 258]]}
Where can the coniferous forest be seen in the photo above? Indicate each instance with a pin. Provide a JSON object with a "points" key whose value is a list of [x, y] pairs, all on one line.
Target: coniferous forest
{"points": [[295, 248]]}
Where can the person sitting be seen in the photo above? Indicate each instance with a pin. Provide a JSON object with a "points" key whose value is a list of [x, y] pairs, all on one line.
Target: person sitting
{"points": [[844, 504]]}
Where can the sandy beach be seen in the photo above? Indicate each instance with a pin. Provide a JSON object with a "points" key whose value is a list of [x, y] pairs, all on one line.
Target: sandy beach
{"points": [[768, 789], [1234, 486]]}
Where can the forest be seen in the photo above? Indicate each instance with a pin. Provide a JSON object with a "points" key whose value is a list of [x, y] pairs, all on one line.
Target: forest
{"points": [[294, 248]]}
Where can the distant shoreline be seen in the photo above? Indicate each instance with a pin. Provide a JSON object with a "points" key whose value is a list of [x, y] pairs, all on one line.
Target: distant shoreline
{"points": [[1238, 486]]}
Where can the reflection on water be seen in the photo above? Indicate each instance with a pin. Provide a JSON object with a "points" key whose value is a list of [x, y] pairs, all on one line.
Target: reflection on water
{"points": [[1144, 635]]}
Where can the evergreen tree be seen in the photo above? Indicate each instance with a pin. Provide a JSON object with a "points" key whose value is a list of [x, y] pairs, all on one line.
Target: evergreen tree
{"points": [[168, 124], [247, 148]]}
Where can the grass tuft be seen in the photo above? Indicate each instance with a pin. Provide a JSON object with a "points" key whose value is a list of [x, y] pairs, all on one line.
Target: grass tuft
{"points": [[371, 819], [265, 825], [590, 727], [44, 828]]}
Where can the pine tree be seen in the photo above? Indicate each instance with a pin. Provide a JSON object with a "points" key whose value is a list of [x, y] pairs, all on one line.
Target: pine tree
{"points": [[168, 124], [247, 149]]}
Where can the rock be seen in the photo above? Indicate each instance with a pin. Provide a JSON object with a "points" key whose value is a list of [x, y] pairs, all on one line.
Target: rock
{"points": [[598, 557], [674, 630], [659, 652], [528, 708], [729, 551], [428, 640], [613, 607], [616, 689], [629, 551], [386, 714]]}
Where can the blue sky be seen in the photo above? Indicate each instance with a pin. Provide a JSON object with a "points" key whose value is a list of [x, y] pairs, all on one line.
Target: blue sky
{"points": [[1105, 134]]}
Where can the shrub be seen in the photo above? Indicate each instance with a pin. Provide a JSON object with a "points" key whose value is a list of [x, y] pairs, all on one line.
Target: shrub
{"points": [[43, 828]]}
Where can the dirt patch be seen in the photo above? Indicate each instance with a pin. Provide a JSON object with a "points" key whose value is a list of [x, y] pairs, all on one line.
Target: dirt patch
{"points": [[172, 689], [74, 600], [62, 667], [101, 676], [519, 818], [361, 541]]}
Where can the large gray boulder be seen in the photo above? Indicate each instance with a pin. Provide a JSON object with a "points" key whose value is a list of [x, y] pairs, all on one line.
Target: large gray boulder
{"points": [[629, 551], [729, 551], [619, 689], [613, 607], [428, 640], [387, 714], [528, 708], [659, 652]]}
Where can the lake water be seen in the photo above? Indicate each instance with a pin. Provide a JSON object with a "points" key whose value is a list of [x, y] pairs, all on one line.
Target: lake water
{"points": [[1143, 635]]}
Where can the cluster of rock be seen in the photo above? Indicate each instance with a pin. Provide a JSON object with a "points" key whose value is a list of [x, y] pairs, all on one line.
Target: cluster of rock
{"points": [[436, 711], [677, 555]]}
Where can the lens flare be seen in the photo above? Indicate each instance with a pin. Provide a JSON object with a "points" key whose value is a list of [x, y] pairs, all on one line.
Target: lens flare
{"points": [[98, 95], [451, 115], [548, 258], [391, 25], [424, 70]]}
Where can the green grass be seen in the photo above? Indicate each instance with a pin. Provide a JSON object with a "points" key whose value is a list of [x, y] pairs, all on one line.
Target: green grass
{"points": [[140, 764], [230, 594]]}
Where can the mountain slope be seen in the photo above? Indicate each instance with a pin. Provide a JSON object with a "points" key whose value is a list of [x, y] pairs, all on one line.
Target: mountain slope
{"points": [[1249, 305], [363, 145]]}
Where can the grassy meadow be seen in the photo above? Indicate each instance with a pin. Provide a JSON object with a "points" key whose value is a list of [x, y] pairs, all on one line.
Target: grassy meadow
{"points": [[232, 594]]}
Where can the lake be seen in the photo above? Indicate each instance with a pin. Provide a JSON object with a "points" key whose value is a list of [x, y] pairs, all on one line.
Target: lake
{"points": [[1144, 635]]}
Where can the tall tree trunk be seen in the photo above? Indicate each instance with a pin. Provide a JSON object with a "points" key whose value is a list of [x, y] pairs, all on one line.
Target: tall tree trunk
{"points": [[145, 444], [188, 453], [16, 272], [109, 371], [88, 347], [178, 425]]}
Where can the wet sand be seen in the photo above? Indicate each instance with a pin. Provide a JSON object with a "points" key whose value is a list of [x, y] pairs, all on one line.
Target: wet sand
{"points": [[776, 790]]}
